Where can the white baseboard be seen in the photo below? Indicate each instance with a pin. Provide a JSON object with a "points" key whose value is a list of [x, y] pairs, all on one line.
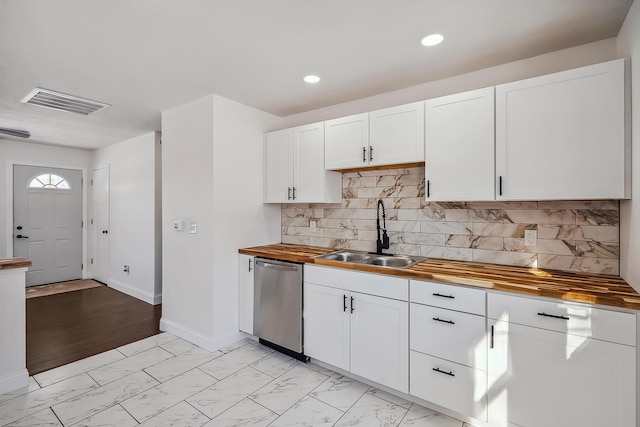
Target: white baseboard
{"points": [[136, 293], [194, 337], [14, 381]]}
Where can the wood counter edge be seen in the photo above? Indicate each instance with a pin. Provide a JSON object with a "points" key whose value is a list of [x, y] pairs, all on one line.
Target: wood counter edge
{"points": [[9, 263], [307, 254]]}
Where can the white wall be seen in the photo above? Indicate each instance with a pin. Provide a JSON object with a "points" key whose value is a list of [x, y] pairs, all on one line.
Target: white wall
{"points": [[211, 175], [591, 53], [25, 153], [629, 45], [132, 211], [187, 189], [241, 218]]}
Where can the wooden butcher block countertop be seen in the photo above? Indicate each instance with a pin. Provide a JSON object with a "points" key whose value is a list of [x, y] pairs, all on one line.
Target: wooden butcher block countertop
{"points": [[8, 263], [579, 287]]}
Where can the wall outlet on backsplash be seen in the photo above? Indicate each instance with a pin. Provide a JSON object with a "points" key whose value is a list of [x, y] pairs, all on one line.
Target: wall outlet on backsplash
{"points": [[312, 226], [530, 238]]}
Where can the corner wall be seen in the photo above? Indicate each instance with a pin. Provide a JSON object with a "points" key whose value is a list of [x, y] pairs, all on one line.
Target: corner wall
{"points": [[133, 205], [629, 45], [211, 175]]}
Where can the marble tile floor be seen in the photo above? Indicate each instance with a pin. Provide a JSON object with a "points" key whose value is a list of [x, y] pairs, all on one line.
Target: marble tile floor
{"points": [[165, 381]]}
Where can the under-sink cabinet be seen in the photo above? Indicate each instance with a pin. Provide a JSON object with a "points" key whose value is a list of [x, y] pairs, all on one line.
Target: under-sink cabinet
{"points": [[560, 364], [358, 322], [294, 167], [448, 347]]}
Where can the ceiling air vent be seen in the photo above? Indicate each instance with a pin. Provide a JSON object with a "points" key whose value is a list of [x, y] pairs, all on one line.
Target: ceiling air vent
{"points": [[62, 102]]}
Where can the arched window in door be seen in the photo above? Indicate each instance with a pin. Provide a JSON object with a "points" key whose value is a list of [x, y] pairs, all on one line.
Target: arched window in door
{"points": [[49, 180]]}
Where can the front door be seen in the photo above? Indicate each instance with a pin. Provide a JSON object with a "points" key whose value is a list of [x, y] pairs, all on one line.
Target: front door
{"points": [[47, 222]]}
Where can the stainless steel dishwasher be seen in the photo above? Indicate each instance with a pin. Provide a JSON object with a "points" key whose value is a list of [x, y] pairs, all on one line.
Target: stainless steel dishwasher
{"points": [[277, 319]]}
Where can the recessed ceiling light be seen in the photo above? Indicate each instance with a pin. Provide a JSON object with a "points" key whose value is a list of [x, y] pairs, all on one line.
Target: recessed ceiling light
{"points": [[311, 79], [432, 40]]}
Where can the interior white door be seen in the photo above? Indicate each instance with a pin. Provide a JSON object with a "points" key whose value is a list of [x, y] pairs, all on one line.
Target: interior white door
{"points": [[47, 222], [100, 224]]}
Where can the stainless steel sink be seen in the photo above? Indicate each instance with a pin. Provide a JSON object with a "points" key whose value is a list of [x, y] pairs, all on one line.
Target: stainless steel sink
{"points": [[394, 261], [346, 256]]}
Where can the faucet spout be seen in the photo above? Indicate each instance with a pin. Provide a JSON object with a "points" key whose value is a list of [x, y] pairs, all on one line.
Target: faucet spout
{"points": [[383, 240]]}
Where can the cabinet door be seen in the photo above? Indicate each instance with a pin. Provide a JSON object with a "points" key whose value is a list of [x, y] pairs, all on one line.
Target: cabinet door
{"points": [[563, 135], [278, 166], [326, 325], [347, 142], [543, 378], [308, 163], [245, 293], [459, 141], [396, 135], [380, 340]]}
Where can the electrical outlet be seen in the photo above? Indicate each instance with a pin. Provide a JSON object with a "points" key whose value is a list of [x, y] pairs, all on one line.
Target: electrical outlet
{"points": [[312, 226], [530, 237]]}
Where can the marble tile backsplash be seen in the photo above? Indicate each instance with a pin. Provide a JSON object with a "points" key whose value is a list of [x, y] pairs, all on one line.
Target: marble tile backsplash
{"points": [[579, 236]]}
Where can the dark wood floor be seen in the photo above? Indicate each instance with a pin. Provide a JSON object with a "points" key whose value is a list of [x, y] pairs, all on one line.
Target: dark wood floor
{"points": [[66, 327]]}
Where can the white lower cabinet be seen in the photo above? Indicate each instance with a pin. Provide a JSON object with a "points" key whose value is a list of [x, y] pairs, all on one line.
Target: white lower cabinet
{"points": [[380, 340], [448, 347], [541, 377], [365, 334], [326, 325], [503, 360], [449, 384], [245, 293]]}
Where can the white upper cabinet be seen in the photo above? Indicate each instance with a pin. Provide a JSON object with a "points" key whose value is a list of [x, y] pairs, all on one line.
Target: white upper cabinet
{"points": [[459, 141], [564, 135], [385, 137], [278, 177], [396, 135], [294, 167], [347, 142]]}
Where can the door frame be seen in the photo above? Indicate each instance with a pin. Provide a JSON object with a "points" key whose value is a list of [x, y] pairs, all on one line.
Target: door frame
{"points": [[9, 230]]}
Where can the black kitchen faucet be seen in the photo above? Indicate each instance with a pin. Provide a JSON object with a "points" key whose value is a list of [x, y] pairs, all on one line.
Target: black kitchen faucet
{"points": [[381, 243]]}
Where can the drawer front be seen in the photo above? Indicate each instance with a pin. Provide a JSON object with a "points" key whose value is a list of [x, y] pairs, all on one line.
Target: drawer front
{"points": [[448, 384], [448, 296], [366, 283], [575, 319], [451, 335]]}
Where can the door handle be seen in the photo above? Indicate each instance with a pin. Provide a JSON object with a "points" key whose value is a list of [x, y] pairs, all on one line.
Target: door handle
{"points": [[20, 236]]}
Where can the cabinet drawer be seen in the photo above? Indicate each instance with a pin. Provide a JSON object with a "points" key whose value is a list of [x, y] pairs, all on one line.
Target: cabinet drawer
{"points": [[576, 319], [448, 334], [448, 384], [365, 283], [447, 296]]}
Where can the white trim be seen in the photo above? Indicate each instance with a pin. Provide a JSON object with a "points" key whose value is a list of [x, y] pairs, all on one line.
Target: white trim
{"points": [[136, 293], [85, 195], [194, 337], [14, 381]]}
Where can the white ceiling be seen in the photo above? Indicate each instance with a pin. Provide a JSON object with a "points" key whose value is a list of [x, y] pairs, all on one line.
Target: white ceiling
{"points": [[144, 56]]}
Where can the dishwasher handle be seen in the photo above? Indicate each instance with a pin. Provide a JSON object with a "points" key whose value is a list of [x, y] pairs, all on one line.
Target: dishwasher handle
{"points": [[277, 266]]}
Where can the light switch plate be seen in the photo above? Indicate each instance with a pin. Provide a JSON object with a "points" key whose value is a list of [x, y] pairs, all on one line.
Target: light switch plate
{"points": [[193, 228], [177, 225]]}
